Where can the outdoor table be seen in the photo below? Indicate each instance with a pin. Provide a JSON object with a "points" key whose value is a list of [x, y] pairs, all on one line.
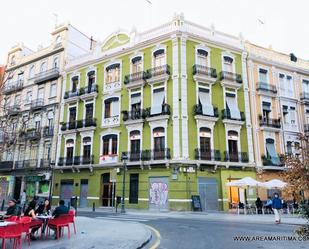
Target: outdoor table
{"points": [[45, 218]]}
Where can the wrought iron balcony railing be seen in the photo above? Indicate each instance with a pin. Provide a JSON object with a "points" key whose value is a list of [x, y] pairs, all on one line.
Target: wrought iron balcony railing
{"points": [[13, 110], [304, 96], [26, 164], [71, 94], [47, 75], [68, 126], [48, 131], [76, 160], [166, 110], [133, 115], [138, 76], [205, 71], [224, 75], [11, 87], [88, 89], [270, 122], [161, 154], [37, 104], [266, 87], [226, 114], [158, 71], [33, 134], [201, 154], [268, 161], [88, 122], [6, 165], [198, 110], [236, 157]]}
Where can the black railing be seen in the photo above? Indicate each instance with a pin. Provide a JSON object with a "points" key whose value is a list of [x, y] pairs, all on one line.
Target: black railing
{"points": [[266, 87], [133, 115], [224, 75], [205, 71], [88, 89], [13, 87], [158, 71], [71, 94], [68, 126], [135, 77], [88, 122], [48, 131], [161, 154], [304, 96], [226, 114], [270, 122], [33, 134], [201, 154], [166, 110], [236, 157], [65, 161], [198, 110], [306, 127], [268, 161], [6, 165], [45, 163], [13, 110], [83, 160], [36, 104], [47, 75], [26, 164]]}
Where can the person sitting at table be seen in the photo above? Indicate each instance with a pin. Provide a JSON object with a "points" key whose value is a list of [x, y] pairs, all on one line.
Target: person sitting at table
{"points": [[30, 211], [268, 205], [43, 208], [12, 210], [61, 209], [259, 205]]}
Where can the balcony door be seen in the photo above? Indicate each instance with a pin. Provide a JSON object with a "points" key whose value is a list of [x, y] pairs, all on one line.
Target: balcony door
{"points": [[91, 80], [159, 58], [69, 151], [205, 144], [89, 112], [136, 105], [135, 145], [86, 150], [74, 84], [41, 93], [233, 146], [72, 115], [137, 64], [228, 64], [159, 143]]}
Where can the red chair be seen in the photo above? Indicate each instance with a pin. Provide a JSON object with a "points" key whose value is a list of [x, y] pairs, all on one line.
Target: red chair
{"points": [[26, 221], [12, 218], [13, 231], [72, 219], [61, 221], [36, 223]]}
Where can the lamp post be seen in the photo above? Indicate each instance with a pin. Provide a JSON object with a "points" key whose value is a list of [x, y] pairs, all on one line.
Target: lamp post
{"points": [[124, 158]]}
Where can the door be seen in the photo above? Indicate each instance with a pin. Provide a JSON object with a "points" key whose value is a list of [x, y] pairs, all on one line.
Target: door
{"points": [[17, 188], [208, 191], [108, 191], [89, 112], [158, 193], [66, 190], [233, 150], [83, 193], [41, 93]]}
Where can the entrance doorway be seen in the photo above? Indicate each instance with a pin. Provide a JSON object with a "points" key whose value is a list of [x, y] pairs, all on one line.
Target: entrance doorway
{"points": [[83, 193], [107, 191], [17, 188], [66, 190], [208, 192], [158, 193]]}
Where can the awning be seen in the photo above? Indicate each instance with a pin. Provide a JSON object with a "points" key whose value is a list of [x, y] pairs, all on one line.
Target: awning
{"points": [[232, 105], [266, 106], [204, 98], [113, 66], [202, 52], [135, 98], [136, 59], [158, 52], [271, 150], [158, 100]]}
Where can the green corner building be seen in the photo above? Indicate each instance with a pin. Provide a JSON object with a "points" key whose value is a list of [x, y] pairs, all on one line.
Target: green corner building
{"points": [[174, 100]]}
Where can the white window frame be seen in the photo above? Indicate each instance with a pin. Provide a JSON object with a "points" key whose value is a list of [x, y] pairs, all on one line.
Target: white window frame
{"points": [[229, 54], [93, 104], [90, 69], [158, 86], [267, 75], [50, 90], [138, 127], [111, 132], [68, 111], [120, 71], [71, 81], [156, 48], [133, 91], [82, 136], [207, 49], [142, 61]]}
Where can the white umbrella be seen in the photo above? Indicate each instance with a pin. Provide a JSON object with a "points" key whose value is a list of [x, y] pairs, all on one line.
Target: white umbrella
{"points": [[244, 182], [275, 183]]}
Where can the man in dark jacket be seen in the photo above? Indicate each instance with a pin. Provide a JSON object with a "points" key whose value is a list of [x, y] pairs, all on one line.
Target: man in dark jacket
{"points": [[61, 209], [13, 209], [277, 205]]}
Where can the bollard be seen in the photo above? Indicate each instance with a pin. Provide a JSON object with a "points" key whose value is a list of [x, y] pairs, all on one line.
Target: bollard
{"points": [[2, 205], [93, 207]]}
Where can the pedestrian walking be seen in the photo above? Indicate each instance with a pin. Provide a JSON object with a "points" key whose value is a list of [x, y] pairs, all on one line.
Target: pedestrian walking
{"points": [[277, 206]]}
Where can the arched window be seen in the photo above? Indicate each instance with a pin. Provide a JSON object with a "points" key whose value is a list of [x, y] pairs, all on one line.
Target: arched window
{"points": [[159, 58], [111, 107], [137, 64], [135, 145], [69, 151], [110, 145], [201, 57], [58, 39], [56, 62], [228, 63], [31, 72], [205, 143], [86, 150], [112, 73], [233, 146], [43, 67], [159, 142]]}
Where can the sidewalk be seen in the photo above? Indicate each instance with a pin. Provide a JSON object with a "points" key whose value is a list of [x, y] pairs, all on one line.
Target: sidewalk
{"points": [[220, 216], [98, 233]]}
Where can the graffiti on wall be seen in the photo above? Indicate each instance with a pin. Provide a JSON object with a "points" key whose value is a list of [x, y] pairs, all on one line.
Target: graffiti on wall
{"points": [[158, 193]]}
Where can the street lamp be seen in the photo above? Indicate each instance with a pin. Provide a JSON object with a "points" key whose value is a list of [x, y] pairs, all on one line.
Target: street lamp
{"points": [[124, 158]]}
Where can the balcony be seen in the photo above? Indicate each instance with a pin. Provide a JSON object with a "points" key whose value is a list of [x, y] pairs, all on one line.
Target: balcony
{"points": [[134, 116], [107, 159], [45, 163], [88, 91], [111, 86], [200, 115], [6, 165], [65, 161], [13, 87], [272, 162], [48, 131], [158, 74], [230, 80], [236, 157], [33, 134], [135, 79], [227, 117], [204, 74], [265, 88], [68, 126], [86, 123], [111, 121], [26, 164], [47, 75], [304, 97], [71, 96], [270, 124], [211, 155], [150, 155], [83, 160], [36, 104], [13, 110], [164, 114], [306, 129]]}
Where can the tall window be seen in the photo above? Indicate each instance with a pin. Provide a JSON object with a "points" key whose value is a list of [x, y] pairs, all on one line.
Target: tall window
{"points": [[135, 145], [158, 99], [204, 101], [20, 77], [17, 100], [86, 149], [159, 58], [72, 116], [28, 97], [89, 111], [31, 72], [69, 150], [50, 119], [47, 151], [133, 196], [91, 79], [111, 107], [112, 73], [74, 80], [289, 86], [305, 85], [56, 62], [263, 75], [289, 148], [202, 57], [159, 143], [228, 64], [53, 90], [43, 67], [136, 102], [41, 93], [205, 143], [233, 146], [271, 151], [137, 64], [231, 105], [110, 144], [292, 115], [266, 111]]}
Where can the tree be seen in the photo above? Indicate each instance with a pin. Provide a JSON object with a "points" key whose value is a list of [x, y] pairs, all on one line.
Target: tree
{"points": [[297, 177]]}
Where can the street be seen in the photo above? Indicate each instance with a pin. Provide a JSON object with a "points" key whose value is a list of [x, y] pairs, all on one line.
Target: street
{"points": [[196, 233]]}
